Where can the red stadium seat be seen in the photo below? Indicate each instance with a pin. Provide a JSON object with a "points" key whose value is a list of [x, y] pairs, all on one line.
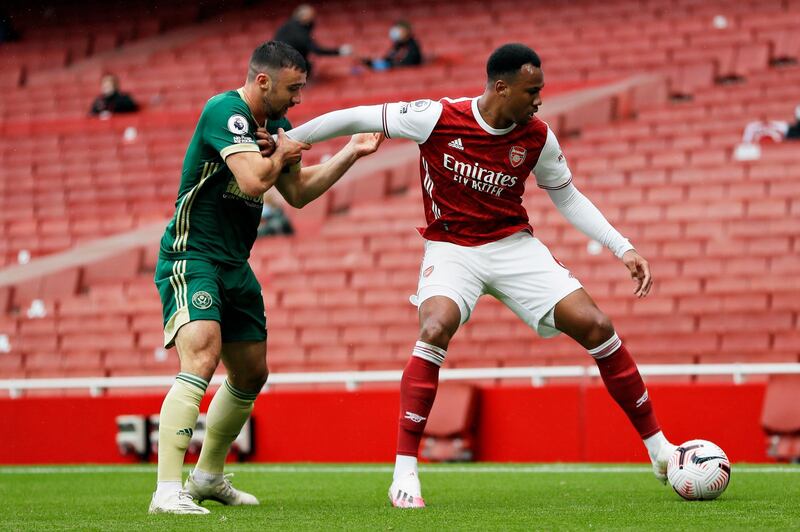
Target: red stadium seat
{"points": [[785, 46], [688, 77], [747, 59], [10, 363], [117, 268], [449, 433], [5, 300], [780, 417], [82, 360]]}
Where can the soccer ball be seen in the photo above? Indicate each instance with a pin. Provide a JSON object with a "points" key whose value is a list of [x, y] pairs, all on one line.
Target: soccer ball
{"points": [[699, 470]]}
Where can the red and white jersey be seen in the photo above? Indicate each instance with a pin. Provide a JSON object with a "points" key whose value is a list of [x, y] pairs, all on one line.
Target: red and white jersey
{"points": [[473, 175]]}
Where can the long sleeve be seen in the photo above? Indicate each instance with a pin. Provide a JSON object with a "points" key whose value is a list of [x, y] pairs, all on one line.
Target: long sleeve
{"points": [[393, 119], [588, 219]]}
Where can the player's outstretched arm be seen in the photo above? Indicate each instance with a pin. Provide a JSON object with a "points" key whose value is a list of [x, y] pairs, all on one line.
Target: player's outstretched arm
{"points": [[553, 175], [363, 119], [413, 121], [301, 187], [256, 174], [588, 219]]}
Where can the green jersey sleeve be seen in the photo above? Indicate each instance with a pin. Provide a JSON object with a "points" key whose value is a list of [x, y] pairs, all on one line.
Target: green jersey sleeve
{"points": [[228, 128]]}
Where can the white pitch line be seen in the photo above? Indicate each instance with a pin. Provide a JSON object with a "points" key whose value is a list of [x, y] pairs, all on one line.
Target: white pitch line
{"points": [[426, 469]]}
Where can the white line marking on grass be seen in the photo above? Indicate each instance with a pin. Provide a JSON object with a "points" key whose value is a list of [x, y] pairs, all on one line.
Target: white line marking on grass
{"points": [[382, 469]]}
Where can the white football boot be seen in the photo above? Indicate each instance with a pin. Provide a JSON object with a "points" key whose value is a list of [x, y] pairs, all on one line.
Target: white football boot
{"points": [[175, 502], [406, 492], [221, 491], [660, 461]]}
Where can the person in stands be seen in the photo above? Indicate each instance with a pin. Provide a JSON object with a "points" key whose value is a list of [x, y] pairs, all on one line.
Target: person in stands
{"points": [[405, 50], [111, 100]]}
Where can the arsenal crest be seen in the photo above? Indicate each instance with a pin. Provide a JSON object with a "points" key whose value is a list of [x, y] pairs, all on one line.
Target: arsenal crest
{"points": [[517, 155]]}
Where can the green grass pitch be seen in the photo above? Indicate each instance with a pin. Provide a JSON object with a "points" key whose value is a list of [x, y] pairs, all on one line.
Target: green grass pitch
{"points": [[353, 497]]}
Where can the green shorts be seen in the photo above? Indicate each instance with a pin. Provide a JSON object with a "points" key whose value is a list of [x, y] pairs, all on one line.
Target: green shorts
{"points": [[198, 290]]}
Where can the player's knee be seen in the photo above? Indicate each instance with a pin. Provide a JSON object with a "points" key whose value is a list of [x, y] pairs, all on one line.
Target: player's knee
{"points": [[199, 349], [259, 379], [599, 330], [203, 363], [252, 381], [199, 369], [435, 332]]}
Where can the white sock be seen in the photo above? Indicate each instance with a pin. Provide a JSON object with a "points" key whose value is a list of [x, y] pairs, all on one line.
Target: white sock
{"points": [[166, 487], [404, 465], [654, 444], [204, 477]]}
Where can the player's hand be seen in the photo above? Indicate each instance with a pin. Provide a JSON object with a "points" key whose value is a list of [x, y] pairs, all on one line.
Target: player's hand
{"points": [[366, 143], [640, 272], [266, 144], [288, 150]]}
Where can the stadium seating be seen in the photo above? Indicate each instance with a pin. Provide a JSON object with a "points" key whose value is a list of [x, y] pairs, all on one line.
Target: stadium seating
{"points": [[450, 431], [59, 35], [631, 39], [781, 418], [722, 235]]}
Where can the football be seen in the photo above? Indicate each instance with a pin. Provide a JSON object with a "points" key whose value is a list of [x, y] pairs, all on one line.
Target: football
{"points": [[699, 470]]}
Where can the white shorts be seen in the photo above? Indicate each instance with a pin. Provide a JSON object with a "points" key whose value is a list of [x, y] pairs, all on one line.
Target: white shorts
{"points": [[517, 270]]}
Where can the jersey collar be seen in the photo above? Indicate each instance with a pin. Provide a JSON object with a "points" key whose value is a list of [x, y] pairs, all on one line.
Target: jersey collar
{"points": [[485, 126], [240, 92]]}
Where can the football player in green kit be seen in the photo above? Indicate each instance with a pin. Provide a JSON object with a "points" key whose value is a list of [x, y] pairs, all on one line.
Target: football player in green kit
{"points": [[212, 304]]}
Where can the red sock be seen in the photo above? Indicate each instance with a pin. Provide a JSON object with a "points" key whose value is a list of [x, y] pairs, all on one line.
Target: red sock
{"points": [[417, 392], [626, 386]]}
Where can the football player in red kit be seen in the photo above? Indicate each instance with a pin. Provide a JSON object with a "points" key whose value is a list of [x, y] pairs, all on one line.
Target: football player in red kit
{"points": [[475, 157]]}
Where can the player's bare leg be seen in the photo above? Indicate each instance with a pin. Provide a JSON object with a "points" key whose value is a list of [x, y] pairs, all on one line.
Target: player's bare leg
{"points": [[198, 344], [577, 316], [439, 318], [246, 363]]}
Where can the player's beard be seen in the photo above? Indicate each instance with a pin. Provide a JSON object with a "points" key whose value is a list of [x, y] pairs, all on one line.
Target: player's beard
{"points": [[272, 112]]}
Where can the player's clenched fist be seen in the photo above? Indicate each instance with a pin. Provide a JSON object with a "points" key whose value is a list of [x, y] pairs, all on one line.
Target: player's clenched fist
{"points": [[266, 144], [290, 150]]}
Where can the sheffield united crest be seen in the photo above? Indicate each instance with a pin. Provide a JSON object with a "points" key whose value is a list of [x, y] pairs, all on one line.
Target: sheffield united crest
{"points": [[517, 155]]}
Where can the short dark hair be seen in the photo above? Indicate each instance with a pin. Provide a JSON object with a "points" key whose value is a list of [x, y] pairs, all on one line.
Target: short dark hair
{"points": [[506, 61], [275, 55]]}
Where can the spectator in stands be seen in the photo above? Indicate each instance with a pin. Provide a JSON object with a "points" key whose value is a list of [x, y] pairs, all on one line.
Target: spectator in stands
{"points": [[793, 131], [764, 129], [296, 32], [772, 130], [111, 100], [405, 50]]}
